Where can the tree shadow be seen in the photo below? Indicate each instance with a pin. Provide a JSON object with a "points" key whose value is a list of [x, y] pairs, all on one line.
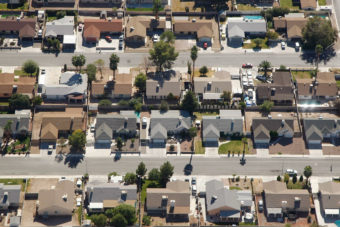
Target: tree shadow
{"points": [[72, 160], [326, 56], [188, 168]]}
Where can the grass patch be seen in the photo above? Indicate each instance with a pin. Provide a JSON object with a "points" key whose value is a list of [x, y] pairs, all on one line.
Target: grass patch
{"points": [[302, 75], [179, 6], [338, 83], [79, 213], [288, 4], [233, 146], [322, 2], [142, 9], [6, 6], [20, 72], [247, 7], [26, 141], [51, 18], [22, 182], [199, 115], [209, 74], [4, 103], [148, 184], [252, 45], [199, 149], [235, 188], [297, 185]]}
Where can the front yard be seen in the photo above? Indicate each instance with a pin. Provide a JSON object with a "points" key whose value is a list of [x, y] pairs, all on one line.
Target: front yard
{"points": [[14, 181], [19, 145], [234, 146], [322, 2], [338, 83], [250, 44], [303, 74], [199, 149]]}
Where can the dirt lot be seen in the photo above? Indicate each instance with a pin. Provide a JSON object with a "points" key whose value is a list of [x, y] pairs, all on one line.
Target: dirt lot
{"points": [[42, 183], [286, 146], [186, 146]]}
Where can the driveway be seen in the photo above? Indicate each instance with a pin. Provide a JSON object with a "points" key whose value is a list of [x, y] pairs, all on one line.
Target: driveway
{"points": [[211, 151]]}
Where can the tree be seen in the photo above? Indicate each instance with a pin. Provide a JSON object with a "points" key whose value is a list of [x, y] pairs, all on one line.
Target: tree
{"points": [[62, 143], [140, 82], [192, 132], [265, 66], [130, 178], [78, 61], [272, 35], [166, 171], [301, 178], [110, 213], [203, 70], [307, 172], [318, 52], [100, 65], [60, 14], [193, 56], [77, 140], [146, 220], [114, 60], [119, 143], [91, 70], [189, 68], [258, 42], [56, 44], [245, 142], [164, 106], [154, 174], [168, 37], [8, 131], [278, 178], [294, 179], [19, 101], [30, 67], [99, 220], [318, 32], [157, 6], [171, 97], [266, 107], [226, 96], [163, 55], [104, 103], [141, 169], [189, 102], [275, 12], [128, 212], [286, 178], [118, 221], [37, 100]]}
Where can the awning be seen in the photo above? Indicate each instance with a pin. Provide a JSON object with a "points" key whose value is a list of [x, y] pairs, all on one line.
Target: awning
{"points": [[331, 211], [69, 39], [274, 210], [212, 96], [96, 206]]}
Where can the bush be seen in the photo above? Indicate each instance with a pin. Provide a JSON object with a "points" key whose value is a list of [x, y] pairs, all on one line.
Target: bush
{"points": [[164, 106], [172, 147], [147, 220], [130, 178], [105, 103], [278, 178], [154, 174], [237, 178]]}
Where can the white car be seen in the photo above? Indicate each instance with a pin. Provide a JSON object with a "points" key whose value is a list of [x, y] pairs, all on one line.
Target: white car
{"points": [[50, 149], [155, 38], [297, 46], [194, 190], [78, 202], [92, 128], [79, 182], [283, 45], [291, 172]]}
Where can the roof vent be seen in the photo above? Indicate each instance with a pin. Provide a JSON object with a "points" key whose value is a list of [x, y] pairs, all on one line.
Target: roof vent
{"points": [[64, 197]]}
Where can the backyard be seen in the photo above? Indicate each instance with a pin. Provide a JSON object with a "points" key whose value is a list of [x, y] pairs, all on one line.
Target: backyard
{"points": [[181, 6], [234, 146], [322, 2], [247, 7], [14, 181], [288, 4], [199, 115], [148, 184], [302, 74]]}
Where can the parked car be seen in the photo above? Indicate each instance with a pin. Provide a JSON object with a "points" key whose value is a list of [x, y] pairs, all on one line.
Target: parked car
{"points": [[43, 71], [194, 190], [120, 44], [80, 27], [260, 205], [297, 46], [155, 38], [78, 202], [79, 182], [193, 181], [283, 45], [121, 37], [223, 36], [247, 66], [92, 128], [108, 38], [291, 172], [261, 78], [205, 45], [144, 121], [50, 149]]}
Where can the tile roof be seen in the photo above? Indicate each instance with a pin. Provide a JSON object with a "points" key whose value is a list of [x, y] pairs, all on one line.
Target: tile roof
{"points": [[25, 85], [330, 195], [25, 26], [203, 28], [138, 25], [94, 27]]}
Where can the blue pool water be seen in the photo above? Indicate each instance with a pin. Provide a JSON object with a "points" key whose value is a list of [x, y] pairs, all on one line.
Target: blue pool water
{"points": [[337, 223], [137, 114], [253, 17]]}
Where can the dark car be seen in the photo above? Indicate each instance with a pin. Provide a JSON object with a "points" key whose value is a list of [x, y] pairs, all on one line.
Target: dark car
{"points": [[247, 66]]}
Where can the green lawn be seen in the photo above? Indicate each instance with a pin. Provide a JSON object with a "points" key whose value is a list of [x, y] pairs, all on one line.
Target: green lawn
{"points": [[4, 104], [297, 185], [234, 145], [288, 4], [199, 115], [51, 18], [235, 188], [322, 2], [338, 83], [252, 45], [199, 149], [246, 7], [79, 212], [302, 75], [5, 6], [25, 141], [15, 182], [20, 72], [148, 184]]}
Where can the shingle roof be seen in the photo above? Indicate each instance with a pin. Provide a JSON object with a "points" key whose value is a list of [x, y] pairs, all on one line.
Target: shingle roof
{"points": [[330, 195], [25, 85], [123, 84], [20, 122], [218, 84], [63, 26], [93, 27], [138, 25], [25, 26], [263, 126], [314, 129], [163, 85], [203, 28]]}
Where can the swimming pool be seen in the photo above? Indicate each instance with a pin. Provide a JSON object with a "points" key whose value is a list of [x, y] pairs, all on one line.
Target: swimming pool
{"points": [[337, 223], [253, 17]]}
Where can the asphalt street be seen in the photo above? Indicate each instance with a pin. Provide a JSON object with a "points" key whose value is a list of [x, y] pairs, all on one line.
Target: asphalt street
{"points": [[200, 166]]}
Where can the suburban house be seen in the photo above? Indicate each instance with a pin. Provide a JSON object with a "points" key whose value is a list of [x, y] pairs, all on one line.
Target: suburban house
{"points": [[280, 91], [255, 2], [109, 195], [63, 30], [143, 3], [280, 201], [9, 196], [329, 197], [57, 201], [72, 87], [239, 28], [138, 28], [172, 202], [229, 122], [94, 29], [202, 30], [20, 123], [211, 88], [121, 87], [225, 205], [11, 84], [24, 28], [53, 3], [101, 3], [321, 130], [323, 87], [109, 126], [264, 129], [159, 86], [308, 4], [291, 24], [170, 123]]}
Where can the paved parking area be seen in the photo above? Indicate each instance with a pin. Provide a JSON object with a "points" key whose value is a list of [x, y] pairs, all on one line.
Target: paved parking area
{"points": [[84, 47], [52, 74]]}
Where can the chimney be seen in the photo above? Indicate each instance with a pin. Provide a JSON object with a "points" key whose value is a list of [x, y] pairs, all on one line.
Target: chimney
{"points": [[273, 91], [213, 199], [297, 202], [64, 197], [157, 88], [172, 203], [311, 88]]}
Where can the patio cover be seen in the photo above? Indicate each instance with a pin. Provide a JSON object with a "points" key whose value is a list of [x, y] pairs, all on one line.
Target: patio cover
{"points": [[274, 210], [331, 211], [69, 39]]}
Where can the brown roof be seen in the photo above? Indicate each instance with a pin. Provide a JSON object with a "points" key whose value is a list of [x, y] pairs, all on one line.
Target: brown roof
{"points": [[25, 26], [97, 88], [203, 28], [137, 26], [93, 27], [308, 4], [25, 85], [326, 85], [279, 23], [123, 84], [49, 132], [304, 86], [330, 195], [295, 26]]}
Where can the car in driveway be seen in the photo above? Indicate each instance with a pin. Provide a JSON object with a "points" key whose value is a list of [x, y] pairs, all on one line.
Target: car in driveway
{"points": [[193, 181], [78, 202], [247, 66], [205, 45], [50, 149], [223, 36], [291, 172], [108, 39], [283, 45], [155, 38]]}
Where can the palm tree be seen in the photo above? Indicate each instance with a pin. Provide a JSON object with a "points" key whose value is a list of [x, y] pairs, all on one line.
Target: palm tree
{"points": [[193, 56], [265, 65], [318, 52], [114, 60], [157, 6]]}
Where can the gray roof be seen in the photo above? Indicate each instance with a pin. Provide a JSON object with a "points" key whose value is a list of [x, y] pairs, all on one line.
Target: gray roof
{"points": [[238, 24], [172, 120], [63, 26], [164, 84], [13, 194], [220, 198], [20, 122], [218, 84], [330, 195], [315, 129], [227, 123], [107, 124], [110, 191], [69, 84], [263, 126]]}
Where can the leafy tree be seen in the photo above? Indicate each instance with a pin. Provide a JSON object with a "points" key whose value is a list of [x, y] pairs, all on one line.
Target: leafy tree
{"points": [[157, 6], [140, 82], [163, 55], [8, 131], [78, 61], [128, 212], [193, 56], [166, 172], [294, 179], [118, 221], [130, 178], [19, 101], [154, 174], [105, 103], [301, 178], [60, 14], [91, 70], [56, 44], [242, 105], [258, 42], [192, 132], [266, 107], [171, 97], [286, 178], [272, 35], [318, 52], [37, 100], [278, 178], [226, 96], [114, 60], [99, 220], [189, 102], [164, 106], [318, 31], [307, 172], [100, 65], [119, 143], [110, 213], [168, 37], [146, 220], [77, 140], [141, 169], [30, 67], [265, 66], [203, 70], [274, 12]]}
